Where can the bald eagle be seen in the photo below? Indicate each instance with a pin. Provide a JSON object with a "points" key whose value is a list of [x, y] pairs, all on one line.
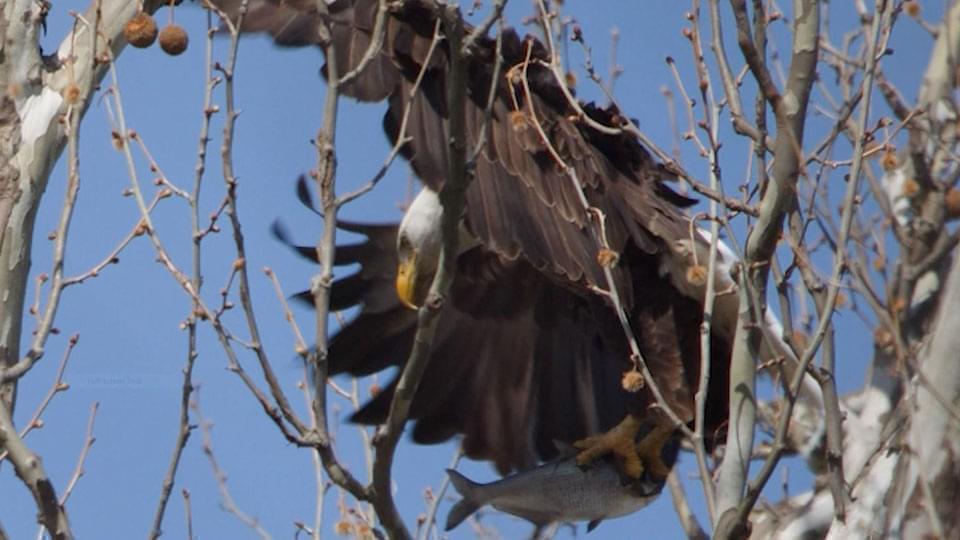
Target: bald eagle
{"points": [[526, 352]]}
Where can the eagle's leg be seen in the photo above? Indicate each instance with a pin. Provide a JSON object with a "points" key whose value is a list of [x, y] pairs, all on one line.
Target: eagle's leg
{"points": [[634, 457], [650, 450]]}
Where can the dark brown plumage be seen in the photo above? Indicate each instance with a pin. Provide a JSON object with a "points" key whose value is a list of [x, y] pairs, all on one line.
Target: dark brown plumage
{"points": [[525, 352]]}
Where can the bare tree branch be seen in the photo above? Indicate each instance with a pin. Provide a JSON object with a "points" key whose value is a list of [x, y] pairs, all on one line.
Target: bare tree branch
{"points": [[452, 198], [325, 175], [28, 467], [779, 197]]}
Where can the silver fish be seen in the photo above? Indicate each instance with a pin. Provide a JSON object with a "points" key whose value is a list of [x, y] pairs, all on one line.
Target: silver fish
{"points": [[556, 491]]}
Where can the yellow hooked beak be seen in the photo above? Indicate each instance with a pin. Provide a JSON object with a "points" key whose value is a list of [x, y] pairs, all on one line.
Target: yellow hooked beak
{"points": [[406, 282]]}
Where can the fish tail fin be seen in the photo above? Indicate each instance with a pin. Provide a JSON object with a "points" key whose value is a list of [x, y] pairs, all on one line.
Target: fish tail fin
{"points": [[465, 506]]}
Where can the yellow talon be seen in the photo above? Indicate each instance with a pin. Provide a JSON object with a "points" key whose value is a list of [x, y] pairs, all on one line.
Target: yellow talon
{"points": [[619, 441], [633, 457]]}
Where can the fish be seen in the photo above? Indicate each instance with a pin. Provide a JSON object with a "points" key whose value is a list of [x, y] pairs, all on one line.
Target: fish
{"points": [[559, 490]]}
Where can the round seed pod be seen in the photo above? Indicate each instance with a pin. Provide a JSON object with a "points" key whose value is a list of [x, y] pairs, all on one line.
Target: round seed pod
{"points": [[173, 39], [141, 30], [632, 381], [71, 94]]}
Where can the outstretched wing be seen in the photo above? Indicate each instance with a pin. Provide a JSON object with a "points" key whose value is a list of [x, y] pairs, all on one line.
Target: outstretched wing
{"points": [[518, 362], [522, 201]]}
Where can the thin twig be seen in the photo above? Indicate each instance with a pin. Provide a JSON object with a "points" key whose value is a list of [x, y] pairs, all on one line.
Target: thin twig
{"points": [[402, 137], [226, 499], [431, 518], [373, 49], [88, 441], [187, 512], [321, 486], [113, 257], [300, 344], [496, 15], [687, 518], [58, 386], [753, 57]]}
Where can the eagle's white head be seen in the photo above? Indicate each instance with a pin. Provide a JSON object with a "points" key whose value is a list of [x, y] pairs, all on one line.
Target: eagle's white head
{"points": [[419, 241], [418, 248]]}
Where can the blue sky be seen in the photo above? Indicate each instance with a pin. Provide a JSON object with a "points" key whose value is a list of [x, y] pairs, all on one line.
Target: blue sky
{"points": [[131, 349]]}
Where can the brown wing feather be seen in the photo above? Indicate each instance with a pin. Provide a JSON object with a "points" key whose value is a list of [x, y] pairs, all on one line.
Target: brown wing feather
{"points": [[517, 362]]}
